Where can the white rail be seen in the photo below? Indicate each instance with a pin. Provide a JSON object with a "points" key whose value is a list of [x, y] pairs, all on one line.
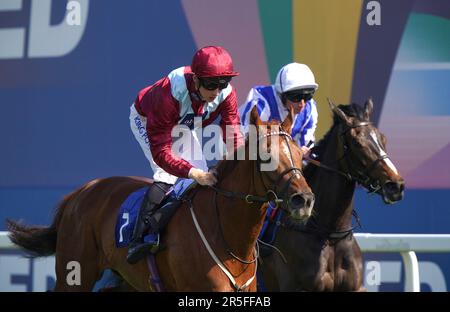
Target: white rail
{"points": [[5, 243], [405, 244]]}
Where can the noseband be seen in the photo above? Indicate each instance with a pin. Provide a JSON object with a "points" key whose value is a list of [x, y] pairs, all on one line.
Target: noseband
{"points": [[249, 199], [363, 178], [284, 202], [270, 196], [271, 193]]}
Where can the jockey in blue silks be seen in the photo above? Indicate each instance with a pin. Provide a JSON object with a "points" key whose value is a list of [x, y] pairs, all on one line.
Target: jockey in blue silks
{"points": [[294, 87]]}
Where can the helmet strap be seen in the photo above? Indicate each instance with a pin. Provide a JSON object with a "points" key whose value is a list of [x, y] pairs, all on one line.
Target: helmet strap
{"points": [[197, 87], [283, 99]]}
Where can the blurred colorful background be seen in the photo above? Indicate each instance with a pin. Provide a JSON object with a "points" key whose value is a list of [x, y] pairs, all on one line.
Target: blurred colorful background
{"points": [[65, 91]]}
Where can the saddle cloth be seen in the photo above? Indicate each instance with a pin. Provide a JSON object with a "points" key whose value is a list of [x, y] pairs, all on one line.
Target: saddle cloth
{"points": [[129, 210], [269, 229]]}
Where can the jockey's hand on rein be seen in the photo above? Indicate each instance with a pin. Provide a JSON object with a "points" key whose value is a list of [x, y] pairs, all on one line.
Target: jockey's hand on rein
{"points": [[305, 150], [202, 178]]}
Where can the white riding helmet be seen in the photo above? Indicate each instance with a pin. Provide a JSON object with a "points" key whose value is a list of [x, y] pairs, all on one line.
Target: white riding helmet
{"points": [[295, 76]]}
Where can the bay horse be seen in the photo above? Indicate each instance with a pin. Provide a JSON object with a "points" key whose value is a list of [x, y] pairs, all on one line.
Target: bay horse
{"points": [[322, 254], [229, 216]]}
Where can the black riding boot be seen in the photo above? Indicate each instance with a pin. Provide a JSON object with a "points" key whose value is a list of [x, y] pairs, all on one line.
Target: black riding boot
{"points": [[138, 248]]}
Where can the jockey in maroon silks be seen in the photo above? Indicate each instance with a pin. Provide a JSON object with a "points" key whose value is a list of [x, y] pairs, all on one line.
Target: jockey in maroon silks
{"points": [[200, 92]]}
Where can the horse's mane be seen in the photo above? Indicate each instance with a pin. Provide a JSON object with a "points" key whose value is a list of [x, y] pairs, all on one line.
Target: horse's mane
{"points": [[223, 167], [351, 110]]}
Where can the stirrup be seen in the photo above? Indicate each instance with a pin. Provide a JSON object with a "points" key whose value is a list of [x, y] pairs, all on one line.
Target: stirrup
{"points": [[153, 240], [139, 251]]}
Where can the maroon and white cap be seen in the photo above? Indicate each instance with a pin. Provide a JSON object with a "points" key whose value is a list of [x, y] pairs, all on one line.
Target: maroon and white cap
{"points": [[213, 61]]}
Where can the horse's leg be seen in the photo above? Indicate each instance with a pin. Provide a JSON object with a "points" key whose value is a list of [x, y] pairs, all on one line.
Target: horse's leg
{"points": [[136, 275]]}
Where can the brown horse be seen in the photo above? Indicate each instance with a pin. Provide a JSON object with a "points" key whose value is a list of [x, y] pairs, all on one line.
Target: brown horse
{"points": [[323, 255], [229, 216]]}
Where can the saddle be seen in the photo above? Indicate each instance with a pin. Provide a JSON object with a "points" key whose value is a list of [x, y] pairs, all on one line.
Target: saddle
{"points": [[128, 212]]}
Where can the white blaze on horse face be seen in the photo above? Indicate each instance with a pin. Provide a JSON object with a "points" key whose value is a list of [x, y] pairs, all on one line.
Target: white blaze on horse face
{"points": [[285, 150], [383, 153]]}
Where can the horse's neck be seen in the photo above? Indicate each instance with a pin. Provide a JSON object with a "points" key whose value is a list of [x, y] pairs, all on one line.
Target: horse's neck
{"points": [[241, 222], [334, 194]]}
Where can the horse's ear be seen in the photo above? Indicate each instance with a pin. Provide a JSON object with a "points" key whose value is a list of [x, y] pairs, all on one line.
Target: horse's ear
{"points": [[339, 112], [254, 117], [287, 122], [368, 108]]}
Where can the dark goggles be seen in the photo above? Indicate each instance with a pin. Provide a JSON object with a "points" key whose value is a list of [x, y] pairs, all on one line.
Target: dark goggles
{"points": [[298, 95], [215, 83]]}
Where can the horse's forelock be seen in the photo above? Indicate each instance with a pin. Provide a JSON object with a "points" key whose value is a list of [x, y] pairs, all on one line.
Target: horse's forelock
{"points": [[351, 110]]}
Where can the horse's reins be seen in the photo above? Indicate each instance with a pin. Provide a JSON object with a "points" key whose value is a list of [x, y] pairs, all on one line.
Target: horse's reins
{"points": [[296, 170], [271, 196], [217, 260], [249, 199], [363, 178], [334, 235], [337, 235], [227, 247], [321, 165], [348, 176]]}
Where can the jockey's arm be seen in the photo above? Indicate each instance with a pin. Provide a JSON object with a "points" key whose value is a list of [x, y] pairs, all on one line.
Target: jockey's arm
{"points": [[162, 119], [160, 122], [308, 132], [161, 147]]}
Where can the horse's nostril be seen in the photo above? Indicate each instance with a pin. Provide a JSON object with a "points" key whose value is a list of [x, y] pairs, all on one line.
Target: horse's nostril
{"points": [[309, 200], [394, 187], [297, 201]]}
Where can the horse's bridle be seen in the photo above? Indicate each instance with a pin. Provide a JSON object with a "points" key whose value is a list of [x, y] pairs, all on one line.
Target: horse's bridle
{"points": [[295, 170], [361, 177], [270, 196], [314, 227], [249, 199], [271, 193]]}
